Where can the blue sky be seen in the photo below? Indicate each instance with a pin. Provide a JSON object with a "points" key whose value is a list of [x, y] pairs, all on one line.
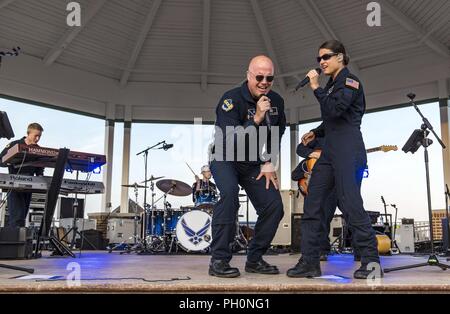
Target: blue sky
{"points": [[399, 177]]}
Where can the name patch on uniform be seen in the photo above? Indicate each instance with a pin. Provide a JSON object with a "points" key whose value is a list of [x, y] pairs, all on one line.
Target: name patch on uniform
{"points": [[227, 105], [351, 83]]}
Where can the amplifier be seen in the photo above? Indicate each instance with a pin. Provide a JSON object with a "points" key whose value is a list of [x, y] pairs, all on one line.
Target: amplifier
{"points": [[296, 219], [16, 243], [121, 230], [405, 238], [65, 207], [93, 240], [283, 235]]}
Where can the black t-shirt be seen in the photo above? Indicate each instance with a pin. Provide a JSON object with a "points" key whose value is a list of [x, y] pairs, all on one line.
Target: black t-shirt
{"points": [[203, 186]]}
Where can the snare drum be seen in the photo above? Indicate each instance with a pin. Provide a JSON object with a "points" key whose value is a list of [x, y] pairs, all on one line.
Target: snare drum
{"points": [[193, 231]]}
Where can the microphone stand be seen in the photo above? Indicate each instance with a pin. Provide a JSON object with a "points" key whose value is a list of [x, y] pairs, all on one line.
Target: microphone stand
{"points": [[144, 224], [425, 142]]}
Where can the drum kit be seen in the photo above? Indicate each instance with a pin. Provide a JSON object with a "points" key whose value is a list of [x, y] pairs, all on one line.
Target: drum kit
{"points": [[166, 229]]}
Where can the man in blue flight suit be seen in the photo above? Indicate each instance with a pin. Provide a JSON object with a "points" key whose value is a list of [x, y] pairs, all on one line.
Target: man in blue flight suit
{"points": [[242, 122], [19, 202], [341, 165]]}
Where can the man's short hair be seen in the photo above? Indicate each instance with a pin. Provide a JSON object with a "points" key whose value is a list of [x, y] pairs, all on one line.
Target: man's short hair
{"points": [[35, 126]]}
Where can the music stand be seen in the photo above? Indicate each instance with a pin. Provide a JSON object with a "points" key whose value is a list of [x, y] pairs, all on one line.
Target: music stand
{"points": [[419, 138], [6, 131]]}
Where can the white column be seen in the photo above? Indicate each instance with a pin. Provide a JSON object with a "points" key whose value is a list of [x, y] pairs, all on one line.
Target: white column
{"points": [[126, 159], [108, 151], [444, 106]]}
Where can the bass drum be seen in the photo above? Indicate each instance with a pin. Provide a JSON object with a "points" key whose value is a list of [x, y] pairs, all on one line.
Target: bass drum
{"points": [[194, 231]]}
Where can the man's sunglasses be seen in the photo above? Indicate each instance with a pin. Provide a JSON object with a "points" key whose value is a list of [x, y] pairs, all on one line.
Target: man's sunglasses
{"points": [[326, 56], [260, 78]]}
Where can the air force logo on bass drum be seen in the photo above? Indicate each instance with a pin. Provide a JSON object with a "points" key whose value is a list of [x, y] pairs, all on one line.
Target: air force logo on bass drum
{"points": [[194, 231], [195, 237]]}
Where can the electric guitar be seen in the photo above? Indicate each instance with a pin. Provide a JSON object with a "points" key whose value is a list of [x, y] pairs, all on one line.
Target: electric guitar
{"points": [[308, 165]]}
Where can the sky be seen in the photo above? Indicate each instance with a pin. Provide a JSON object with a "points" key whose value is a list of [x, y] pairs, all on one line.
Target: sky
{"points": [[399, 177]]}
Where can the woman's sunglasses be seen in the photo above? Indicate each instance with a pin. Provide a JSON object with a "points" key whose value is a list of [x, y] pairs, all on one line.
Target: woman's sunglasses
{"points": [[326, 56]]}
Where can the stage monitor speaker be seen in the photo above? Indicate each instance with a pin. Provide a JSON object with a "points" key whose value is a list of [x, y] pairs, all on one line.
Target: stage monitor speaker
{"points": [[296, 232], [16, 243]]}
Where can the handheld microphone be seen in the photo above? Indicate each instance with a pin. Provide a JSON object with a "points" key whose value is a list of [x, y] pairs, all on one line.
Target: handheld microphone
{"points": [[306, 79], [266, 114]]}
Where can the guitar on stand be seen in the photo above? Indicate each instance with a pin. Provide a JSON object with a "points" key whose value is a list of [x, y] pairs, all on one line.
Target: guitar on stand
{"points": [[389, 229], [309, 163]]}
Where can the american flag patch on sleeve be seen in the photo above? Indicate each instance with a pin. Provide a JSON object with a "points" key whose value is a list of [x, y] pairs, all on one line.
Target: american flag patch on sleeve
{"points": [[352, 83]]}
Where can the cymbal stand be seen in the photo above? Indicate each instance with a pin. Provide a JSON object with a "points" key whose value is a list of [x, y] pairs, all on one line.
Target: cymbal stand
{"points": [[161, 244]]}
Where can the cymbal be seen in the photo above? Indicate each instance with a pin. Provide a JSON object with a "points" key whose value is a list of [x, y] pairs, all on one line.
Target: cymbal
{"points": [[152, 178], [133, 185], [174, 187]]}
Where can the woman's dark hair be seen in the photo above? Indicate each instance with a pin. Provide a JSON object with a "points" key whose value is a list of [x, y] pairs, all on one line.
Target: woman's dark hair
{"points": [[337, 47]]}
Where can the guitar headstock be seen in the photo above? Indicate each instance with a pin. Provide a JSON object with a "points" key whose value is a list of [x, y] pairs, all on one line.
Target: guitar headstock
{"points": [[387, 148]]}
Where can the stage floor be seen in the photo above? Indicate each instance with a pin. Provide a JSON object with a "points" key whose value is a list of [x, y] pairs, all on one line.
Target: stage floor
{"points": [[104, 272]]}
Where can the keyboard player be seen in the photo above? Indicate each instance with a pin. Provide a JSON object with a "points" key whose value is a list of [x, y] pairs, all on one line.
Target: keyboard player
{"points": [[19, 202]]}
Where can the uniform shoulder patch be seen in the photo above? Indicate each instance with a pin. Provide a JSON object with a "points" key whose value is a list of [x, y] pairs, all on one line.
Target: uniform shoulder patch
{"points": [[227, 105], [349, 82]]}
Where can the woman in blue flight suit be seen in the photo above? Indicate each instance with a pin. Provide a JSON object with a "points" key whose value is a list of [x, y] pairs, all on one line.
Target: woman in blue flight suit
{"points": [[341, 164], [329, 206], [331, 202]]}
